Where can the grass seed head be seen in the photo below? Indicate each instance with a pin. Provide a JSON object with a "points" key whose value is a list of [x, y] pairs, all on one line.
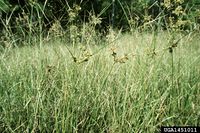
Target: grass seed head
{"points": [[171, 49], [123, 59], [114, 53]]}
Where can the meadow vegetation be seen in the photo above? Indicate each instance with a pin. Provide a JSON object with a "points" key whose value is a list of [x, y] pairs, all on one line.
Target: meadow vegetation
{"points": [[80, 79]]}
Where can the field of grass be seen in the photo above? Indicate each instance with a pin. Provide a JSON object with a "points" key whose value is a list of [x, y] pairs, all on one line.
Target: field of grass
{"points": [[135, 84]]}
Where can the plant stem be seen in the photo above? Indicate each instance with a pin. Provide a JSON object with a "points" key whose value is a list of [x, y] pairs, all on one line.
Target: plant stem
{"points": [[172, 66]]}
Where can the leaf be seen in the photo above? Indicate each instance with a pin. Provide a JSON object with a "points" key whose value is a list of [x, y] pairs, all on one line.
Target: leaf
{"points": [[4, 6]]}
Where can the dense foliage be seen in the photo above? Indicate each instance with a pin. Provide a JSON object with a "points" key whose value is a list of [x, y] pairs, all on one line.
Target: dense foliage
{"points": [[67, 65], [126, 14]]}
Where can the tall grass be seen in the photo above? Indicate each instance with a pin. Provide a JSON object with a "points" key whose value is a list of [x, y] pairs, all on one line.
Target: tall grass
{"points": [[43, 90]]}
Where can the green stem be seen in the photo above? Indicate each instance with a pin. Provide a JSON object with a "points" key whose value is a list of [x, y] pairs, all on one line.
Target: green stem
{"points": [[172, 75]]}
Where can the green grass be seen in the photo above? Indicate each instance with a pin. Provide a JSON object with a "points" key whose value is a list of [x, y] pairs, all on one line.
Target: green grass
{"points": [[43, 90]]}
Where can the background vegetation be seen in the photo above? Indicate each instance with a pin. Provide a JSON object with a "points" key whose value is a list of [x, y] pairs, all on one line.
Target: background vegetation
{"points": [[126, 13]]}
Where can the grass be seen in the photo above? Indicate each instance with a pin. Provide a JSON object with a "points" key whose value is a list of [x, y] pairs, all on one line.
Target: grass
{"points": [[43, 90]]}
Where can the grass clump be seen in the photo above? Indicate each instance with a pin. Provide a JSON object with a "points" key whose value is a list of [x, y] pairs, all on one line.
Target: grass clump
{"points": [[43, 90]]}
